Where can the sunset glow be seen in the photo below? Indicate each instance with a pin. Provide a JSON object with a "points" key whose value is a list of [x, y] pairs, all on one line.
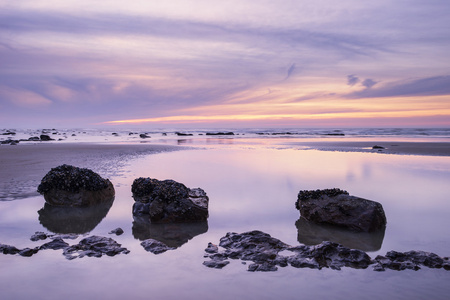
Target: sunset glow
{"points": [[233, 63]]}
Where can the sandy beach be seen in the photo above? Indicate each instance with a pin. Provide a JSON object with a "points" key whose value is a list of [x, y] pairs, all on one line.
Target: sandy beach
{"points": [[23, 166], [386, 147]]}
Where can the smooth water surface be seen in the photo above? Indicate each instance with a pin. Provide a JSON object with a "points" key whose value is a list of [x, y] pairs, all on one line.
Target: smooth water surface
{"points": [[249, 188]]}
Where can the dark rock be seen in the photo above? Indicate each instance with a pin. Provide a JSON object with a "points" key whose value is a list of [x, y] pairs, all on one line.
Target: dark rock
{"points": [[115, 134], [328, 255], [45, 137], [7, 249], [220, 133], [38, 235], [311, 233], [216, 264], [377, 147], [155, 247], [264, 251], [55, 244], [212, 248], [337, 207], [34, 138], [9, 133], [67, 185], [412, 260], [144, 136], [183, 134], [94, 246], [73, 220], [169, 201], [27, 252], [117, 231]]}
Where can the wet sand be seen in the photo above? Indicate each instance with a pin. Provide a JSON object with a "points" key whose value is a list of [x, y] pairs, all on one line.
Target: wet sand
{"points": [[388, 147], [23, 166]]}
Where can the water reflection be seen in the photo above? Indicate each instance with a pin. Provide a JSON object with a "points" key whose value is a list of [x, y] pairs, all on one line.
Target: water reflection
{"points": [[310, 233], [172, 234], [77, 220]]}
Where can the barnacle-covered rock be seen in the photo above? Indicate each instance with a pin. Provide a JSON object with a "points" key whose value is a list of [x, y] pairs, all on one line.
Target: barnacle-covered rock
{"points": [[67, 185], [168, 201], [337, 207]]}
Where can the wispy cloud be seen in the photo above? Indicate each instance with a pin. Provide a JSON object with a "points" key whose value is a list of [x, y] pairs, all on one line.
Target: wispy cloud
{"points": [[429, 86]]}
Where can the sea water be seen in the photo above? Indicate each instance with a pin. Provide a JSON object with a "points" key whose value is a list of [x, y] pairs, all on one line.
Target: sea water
{"points": [[252, 185]]}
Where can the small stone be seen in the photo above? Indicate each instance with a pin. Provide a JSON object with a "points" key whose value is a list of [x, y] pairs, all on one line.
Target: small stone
{"points": [[117, 231]]}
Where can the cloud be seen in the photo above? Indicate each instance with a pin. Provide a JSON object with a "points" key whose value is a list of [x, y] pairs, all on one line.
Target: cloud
{"points": [[429, 86], [352, 80], [290, 71], [368, 83]]}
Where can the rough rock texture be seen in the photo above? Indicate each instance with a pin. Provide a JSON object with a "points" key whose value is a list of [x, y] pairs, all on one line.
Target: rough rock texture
{"points": [[67, 185], [268, 253], [94, 246], [410, 260], [155, 247], [169, 201], [337, 207]]}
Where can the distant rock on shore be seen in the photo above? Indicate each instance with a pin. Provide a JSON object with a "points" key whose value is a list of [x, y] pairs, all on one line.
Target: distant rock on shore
{"points": [[67, 185], [337, 207], [169, 201]]}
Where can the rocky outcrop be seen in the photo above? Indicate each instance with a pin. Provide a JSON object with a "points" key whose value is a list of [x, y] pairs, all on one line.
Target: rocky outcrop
{"points": [[45, 137], [337, 207], [67, 185], [155, 247], [267, 254], [94, 246], [169, 201], [411, 260]]}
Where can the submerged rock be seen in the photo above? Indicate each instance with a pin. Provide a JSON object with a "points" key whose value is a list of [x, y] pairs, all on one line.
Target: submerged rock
{"points": [[267, 254], [412, 260], [169, 201], [337, 207], [94, 246], [117, 231], [155, 247], [67, 185]]}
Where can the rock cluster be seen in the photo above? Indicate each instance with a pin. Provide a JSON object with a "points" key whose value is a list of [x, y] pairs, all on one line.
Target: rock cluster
{"points": [[169, 201], [337, 207], [267, 254], [67, 185], [93, 246]]}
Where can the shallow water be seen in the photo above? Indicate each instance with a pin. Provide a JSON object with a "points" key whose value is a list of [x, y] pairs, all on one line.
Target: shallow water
{"points": [[249, 188]]}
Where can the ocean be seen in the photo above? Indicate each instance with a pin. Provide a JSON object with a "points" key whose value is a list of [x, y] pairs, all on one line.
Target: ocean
{"points": [[252, 178]]}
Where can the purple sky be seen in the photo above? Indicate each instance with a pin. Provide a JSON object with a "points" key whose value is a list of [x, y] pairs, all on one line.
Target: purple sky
{"points": [[225, 63]]}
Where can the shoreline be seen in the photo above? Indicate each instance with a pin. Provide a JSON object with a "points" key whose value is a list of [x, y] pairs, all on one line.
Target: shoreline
{"points": [[23, 166], [388, 147]]}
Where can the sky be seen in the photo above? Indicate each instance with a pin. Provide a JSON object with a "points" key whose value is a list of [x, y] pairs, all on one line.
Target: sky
{"points": [[234, 63]]}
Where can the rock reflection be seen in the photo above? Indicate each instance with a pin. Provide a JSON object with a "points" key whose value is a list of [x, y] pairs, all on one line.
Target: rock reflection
{"points": [[77, 220], [310, 233], [172, 234]]}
